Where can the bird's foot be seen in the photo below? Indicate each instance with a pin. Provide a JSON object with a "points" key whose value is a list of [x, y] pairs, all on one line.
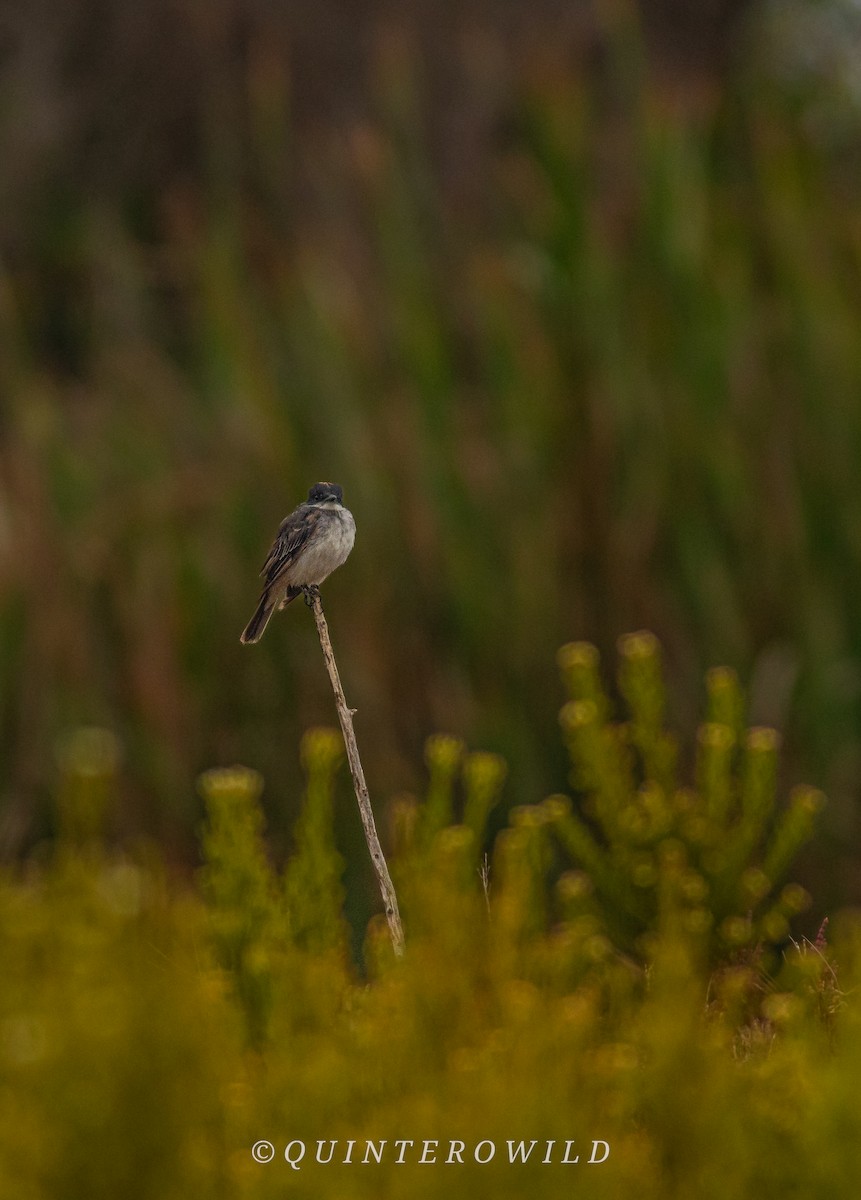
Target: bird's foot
{"points": [[310, 591]]}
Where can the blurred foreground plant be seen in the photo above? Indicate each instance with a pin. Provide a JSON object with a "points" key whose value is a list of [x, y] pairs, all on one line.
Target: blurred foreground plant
{"points": [[512, 1023], [256, 917], [710, 857], [244, 914]]}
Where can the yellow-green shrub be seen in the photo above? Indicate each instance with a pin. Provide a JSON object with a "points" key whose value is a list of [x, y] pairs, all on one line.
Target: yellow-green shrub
{"points": [[151, 1034], [711, 856]]}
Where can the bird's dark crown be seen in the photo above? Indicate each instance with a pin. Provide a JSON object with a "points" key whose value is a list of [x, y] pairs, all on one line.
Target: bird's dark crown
{"points": [[321, 492]]}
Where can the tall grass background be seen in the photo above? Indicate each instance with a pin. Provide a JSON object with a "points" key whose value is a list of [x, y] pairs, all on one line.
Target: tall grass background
{"points": [[578, 336], [604, 376]]}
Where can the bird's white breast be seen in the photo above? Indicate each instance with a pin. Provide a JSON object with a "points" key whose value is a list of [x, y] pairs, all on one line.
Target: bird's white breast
{"points": [[329, 548]]}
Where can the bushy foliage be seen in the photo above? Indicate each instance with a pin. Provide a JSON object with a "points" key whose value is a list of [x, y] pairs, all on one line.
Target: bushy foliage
{"points": [[717, 850], [625, 392], [152, 1033]]}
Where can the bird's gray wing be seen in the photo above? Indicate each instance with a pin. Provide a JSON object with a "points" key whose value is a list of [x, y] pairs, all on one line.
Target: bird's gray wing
{"points": [[290, 541]]}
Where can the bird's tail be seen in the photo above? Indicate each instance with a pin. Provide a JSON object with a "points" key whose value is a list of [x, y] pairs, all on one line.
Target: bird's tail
{"points": [[253, 631]]}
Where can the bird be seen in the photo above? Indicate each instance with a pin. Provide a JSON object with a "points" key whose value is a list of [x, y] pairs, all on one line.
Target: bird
{"points": [[311, 543]]}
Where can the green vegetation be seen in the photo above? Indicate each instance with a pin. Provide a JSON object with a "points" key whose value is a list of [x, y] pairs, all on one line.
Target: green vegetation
{"points": [[622, 394], [716, 848], [618, 390], [151, 1033]]}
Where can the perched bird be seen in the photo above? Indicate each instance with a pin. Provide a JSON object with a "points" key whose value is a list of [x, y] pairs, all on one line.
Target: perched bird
{"points": [[314, 540]]}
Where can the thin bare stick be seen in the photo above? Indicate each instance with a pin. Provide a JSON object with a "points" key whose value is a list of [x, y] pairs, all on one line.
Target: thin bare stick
{"points": [[345, 716], [484, 876]]}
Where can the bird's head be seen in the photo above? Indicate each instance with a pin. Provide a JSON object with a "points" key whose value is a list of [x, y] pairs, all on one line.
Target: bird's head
{"points": [[322, 493]]}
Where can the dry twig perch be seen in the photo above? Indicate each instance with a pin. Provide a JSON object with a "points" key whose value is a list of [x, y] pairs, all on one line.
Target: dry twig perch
{"points": [[345, 716]]}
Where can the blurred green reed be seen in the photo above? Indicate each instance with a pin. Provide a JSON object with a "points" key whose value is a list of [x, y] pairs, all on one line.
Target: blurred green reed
{"points": [[712, 856], [626, 396], [152, 1032]]}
